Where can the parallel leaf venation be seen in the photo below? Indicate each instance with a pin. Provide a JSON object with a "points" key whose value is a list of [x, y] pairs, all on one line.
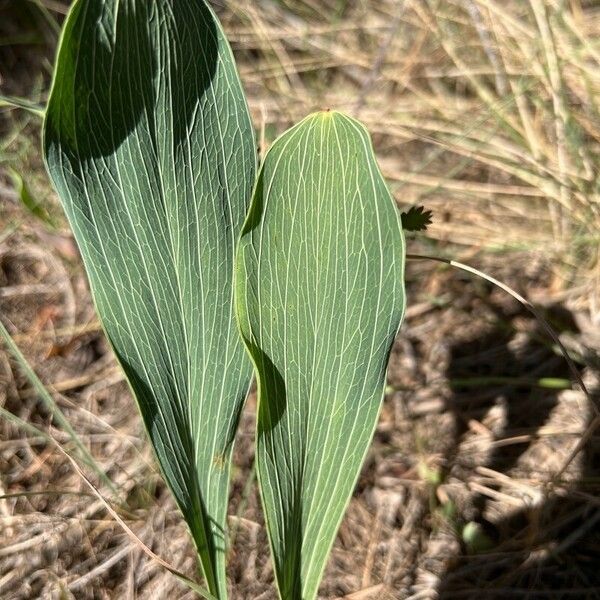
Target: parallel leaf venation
{"points": [[149, 143], [320, 299]]}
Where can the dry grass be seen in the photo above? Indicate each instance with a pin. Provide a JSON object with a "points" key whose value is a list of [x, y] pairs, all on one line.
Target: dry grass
{"points": [[487, 112]]}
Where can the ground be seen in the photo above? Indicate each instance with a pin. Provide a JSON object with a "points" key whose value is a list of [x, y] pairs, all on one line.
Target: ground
{"points": [[483, 477]]}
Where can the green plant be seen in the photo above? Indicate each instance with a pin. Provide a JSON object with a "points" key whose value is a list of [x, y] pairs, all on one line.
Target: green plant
{"points": [[320, 297], [149, 143]]}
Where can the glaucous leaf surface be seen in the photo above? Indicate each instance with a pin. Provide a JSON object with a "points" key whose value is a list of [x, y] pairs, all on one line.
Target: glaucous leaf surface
{"points": [[149, 143], [320, 297]]}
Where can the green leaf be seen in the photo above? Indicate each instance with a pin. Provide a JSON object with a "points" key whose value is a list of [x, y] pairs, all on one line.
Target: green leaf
{"points": [[320, 297], [416, 218], [149, 143]]}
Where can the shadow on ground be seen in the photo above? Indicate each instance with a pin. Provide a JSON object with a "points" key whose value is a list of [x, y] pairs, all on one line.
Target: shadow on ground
{"points": [[550, 549]]}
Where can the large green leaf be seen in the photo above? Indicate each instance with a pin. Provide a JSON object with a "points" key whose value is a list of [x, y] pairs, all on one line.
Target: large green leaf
{"points": [[149, 143], [320, 297]]}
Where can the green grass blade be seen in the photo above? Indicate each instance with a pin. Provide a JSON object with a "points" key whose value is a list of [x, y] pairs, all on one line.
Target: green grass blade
{"points": [[46, 397], [29, 202], [22, 103], [148, 141], [320, 297]]}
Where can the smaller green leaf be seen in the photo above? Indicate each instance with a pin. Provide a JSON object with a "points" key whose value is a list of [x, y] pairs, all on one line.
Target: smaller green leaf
{"points": [[320, 297], [416, 218]]}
